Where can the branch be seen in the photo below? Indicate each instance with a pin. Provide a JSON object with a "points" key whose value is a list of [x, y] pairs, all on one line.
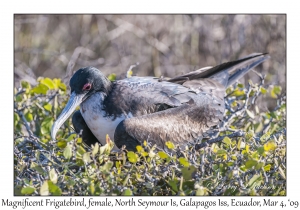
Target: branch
{"points": [[218, 139]]}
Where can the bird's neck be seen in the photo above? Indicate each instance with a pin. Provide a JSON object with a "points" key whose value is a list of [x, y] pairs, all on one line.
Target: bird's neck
{"points": [[106, 86], [93, 103]]}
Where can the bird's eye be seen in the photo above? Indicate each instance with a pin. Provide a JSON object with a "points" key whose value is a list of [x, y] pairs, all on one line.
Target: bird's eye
{"points": [[87, 86]]}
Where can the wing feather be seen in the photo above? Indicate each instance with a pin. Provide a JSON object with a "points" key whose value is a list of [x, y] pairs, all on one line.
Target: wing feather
{"points": [[140, 96], [181, 125]]}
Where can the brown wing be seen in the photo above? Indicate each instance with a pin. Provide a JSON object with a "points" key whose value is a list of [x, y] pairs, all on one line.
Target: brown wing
{"points": [[181, 125], [140, 96], [194, 103]]}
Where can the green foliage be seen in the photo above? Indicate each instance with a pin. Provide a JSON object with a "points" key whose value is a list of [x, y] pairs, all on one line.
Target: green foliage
{"points": [[112, 77], [251, 164], [27, 190]]}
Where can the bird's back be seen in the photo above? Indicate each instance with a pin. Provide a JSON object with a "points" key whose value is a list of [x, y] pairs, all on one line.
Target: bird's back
{"points": [[192, 103]]}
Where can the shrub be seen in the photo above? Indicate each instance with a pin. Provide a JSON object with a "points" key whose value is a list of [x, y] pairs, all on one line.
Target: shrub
{"points": [[245, 155]]}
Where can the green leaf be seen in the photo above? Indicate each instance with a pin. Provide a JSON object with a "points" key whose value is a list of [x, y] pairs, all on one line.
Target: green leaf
{"points": [[259, 127], [132, 157], [62, 144], [234, 104], [151, 154], [139, 148], [112, 77], [127, 192], [27, 190], [202, 191], [252, 92], [255, 179], [44, 188], [95, 149], [270, 145], [107, 166], [145, 154], [232, 191], [68, 151], [91, 188], [126, 179], [173, 184], [261, 150], [48, 107], [249, 134], [19, 98], [80, 151], [16, 119], [25, 85], [247, 148], [118, 164], [106, 148], [267, 167], [227, 141], [56, 82], [53, 175], [283, 106], [129, 73], [62, 86], [240, 85], [243, 168], [71, 137], [250, 163], [273, 115], [237, 92], [40, 89], [250, 114], [183, 161], [281, 172], [28, 116], [46, 125], [170, 145], [255, 155], [53, 189], [265, 136], [17, 190], [276, 90], [86, 158], [282, 193], [229, 90], [259, 165], [188, 172], [263, 90], [37, 168], [221, 152], [162, 155], [79, 140], [48, 82], [102, 150]]}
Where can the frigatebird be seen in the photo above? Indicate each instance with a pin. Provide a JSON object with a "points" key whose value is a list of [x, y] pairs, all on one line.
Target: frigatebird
{"points": [[157, 110]]}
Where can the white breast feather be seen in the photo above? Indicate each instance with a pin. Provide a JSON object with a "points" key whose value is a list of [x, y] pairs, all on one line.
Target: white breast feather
{"points": [[91, 110]]}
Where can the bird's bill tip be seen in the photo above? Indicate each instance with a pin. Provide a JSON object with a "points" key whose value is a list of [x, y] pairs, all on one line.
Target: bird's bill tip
{"points": [[74, 101]]}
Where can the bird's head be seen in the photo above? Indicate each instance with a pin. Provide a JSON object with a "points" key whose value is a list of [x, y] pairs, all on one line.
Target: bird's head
{"points": [[84, 83]]}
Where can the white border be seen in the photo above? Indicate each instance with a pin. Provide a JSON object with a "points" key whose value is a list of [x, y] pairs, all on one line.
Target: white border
{"points": [[153, 6]]}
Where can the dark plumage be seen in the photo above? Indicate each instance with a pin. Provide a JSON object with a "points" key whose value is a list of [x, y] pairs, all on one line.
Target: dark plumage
{"points": [[82, 128], [135, 109]]}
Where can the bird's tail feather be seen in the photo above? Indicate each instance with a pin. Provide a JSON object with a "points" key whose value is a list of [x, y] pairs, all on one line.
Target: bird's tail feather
{"points": [[225, 73], [239, 68]]}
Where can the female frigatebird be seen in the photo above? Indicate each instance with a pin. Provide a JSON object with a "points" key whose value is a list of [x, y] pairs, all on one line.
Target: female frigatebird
{"points": [[157, 110]]}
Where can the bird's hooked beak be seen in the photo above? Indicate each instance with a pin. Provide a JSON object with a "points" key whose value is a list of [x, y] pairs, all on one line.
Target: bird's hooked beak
{"points": [[74, 101]]}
